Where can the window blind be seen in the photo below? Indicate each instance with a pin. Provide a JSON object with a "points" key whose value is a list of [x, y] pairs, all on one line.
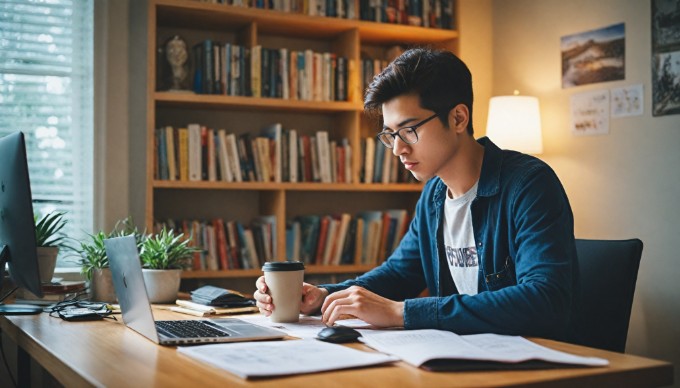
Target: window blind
{"points": [[46, 91]]}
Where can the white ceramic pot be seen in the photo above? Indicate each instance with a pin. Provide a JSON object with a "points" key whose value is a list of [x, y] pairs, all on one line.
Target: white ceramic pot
{"points": [[47, 260], [162, 285], [101, 286]]}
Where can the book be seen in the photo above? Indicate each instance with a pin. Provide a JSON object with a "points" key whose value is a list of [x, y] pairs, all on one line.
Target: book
{"points": [[309, 235], [210, 244], [162, 154], [202, 310], [194, 152], [233, 157], [221, 242], [293, 155], [214, 311], [324, 156], [183, 141], [330, 240], [372, 225], [369, 158], [273, 133], [256, 71], [343, 226], [444, 351], [212, 159], [170, 148], [54, 292], [226, 172]]}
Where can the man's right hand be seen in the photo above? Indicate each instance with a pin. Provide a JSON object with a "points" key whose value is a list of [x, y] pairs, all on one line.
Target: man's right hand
{"points": [[312, 298]]}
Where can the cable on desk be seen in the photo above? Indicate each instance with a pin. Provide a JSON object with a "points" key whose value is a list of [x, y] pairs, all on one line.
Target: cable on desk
{"points": [[80, 310]]}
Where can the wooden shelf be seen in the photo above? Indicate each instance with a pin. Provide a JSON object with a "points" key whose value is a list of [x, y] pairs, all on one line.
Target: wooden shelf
{"points": [[177, 13], [189, 100], [251, 27], [244, 273], [262, 186]]}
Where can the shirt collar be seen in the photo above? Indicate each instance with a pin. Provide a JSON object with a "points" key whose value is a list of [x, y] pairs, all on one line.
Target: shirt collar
{"points": [[489, 180]]}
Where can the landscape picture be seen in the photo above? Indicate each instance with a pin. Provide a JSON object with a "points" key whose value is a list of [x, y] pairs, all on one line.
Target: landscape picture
{"points": [[594, 56]]}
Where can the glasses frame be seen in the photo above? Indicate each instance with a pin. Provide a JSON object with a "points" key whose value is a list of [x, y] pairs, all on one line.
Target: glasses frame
{"points": [[398, 132]]}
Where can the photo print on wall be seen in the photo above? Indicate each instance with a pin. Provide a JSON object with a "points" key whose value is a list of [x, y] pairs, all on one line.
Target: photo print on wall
{"points": [[594, 56], [665, 57]]}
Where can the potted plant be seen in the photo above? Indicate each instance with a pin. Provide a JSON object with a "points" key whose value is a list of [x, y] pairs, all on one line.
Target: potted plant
{"points": [[49, 239], [94, 263], [164, 256]]}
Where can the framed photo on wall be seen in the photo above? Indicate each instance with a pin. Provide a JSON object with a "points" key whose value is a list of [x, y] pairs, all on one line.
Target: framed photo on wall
{"points": [[594, 56], [665, 57]]}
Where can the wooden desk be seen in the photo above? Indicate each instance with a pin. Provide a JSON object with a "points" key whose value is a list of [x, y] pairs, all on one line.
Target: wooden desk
{"points": [[106, 353]]}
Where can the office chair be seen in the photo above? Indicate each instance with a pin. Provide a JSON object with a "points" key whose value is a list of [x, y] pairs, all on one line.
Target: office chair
{"points": [[608, 272]]}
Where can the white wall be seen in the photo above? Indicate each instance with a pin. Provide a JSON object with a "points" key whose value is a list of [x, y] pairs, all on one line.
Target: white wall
{"points": [[476, 50], [111, 113], [622, 185]]}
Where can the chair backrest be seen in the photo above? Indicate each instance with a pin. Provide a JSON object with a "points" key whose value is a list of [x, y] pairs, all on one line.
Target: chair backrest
{"points": [[608, 271]]}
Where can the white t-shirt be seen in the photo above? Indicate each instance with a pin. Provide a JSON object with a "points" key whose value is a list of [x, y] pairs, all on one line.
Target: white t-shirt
{"points": [[459, 242]]}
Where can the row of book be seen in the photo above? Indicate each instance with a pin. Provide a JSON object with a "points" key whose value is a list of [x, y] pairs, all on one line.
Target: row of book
{"points": [[426, 13], [330, 8], [367, 238], [236, 70], [228, 245], [380, 165], [199, 153]]}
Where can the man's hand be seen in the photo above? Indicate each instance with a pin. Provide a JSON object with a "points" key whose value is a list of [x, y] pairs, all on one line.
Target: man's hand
{"points": [[365, 305], [312, 298]]}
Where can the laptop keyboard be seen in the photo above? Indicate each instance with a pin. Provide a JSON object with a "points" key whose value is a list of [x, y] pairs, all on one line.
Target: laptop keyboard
{"points": [[190, 329]]}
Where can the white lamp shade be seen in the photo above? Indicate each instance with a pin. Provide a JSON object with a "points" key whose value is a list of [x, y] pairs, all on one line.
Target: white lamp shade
{"points": [[515, 123]]}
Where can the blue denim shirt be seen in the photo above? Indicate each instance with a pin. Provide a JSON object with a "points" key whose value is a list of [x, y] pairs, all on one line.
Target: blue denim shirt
{"points": [[524, 232]]}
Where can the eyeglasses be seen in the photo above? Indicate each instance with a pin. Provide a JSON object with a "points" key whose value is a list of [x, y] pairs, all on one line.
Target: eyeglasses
{"points": [[407, 134]]}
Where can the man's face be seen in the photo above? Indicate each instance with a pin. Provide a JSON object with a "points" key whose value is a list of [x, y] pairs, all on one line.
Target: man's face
{"points": [[436, 146]]}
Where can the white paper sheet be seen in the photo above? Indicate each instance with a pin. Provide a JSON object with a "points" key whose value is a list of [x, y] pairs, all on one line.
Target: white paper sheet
{"points": [[277, 358], [418, 346], [308, 326]]}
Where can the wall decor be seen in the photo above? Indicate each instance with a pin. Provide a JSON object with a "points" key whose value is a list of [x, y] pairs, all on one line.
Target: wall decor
{"points": [[627, 101], [665, 57], [594, 56], [590, 113]]}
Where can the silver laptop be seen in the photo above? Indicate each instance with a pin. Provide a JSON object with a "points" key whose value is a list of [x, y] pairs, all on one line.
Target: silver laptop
{"points": [[136, 309]]}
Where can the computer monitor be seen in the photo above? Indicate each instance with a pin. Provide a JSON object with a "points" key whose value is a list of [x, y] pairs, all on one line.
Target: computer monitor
{"points": [[17, 226]]}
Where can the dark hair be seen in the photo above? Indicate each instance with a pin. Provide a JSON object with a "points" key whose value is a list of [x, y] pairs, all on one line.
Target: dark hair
{"points": [[439, 78]]}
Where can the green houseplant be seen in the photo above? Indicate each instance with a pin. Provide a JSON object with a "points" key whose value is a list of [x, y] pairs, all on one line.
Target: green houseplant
{"points": [[94, 263], [164, 255], [49, 239]]}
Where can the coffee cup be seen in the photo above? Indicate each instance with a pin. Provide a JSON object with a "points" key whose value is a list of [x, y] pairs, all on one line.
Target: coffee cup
{"points": [[284, 281]]}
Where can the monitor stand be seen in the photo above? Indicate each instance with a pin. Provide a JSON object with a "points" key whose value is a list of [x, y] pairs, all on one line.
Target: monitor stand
{"points": [[20, 309], [13, 309]]}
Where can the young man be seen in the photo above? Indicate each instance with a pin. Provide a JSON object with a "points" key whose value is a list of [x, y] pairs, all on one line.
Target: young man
{"points": [[492, 235]]}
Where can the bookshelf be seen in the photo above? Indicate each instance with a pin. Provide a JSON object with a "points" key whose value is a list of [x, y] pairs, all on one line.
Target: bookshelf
{"points": [[350, 38]]}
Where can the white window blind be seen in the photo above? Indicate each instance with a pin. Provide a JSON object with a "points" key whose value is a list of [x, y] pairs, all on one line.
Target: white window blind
{"points": [[46, 91]]}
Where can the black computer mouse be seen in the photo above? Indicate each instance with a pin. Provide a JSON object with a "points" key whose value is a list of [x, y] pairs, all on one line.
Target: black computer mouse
{"points": [[338, 334]]}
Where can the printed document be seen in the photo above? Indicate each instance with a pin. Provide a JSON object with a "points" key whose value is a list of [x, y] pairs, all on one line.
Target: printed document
{"points": [[419, 346], [308, 326], [278, 358]]}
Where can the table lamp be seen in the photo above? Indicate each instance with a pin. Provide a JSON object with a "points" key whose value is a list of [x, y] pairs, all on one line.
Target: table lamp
{"points": [[514, 123]]}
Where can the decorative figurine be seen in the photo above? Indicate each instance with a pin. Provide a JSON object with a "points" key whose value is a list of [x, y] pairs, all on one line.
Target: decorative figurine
{"points": [[177, 56]]}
